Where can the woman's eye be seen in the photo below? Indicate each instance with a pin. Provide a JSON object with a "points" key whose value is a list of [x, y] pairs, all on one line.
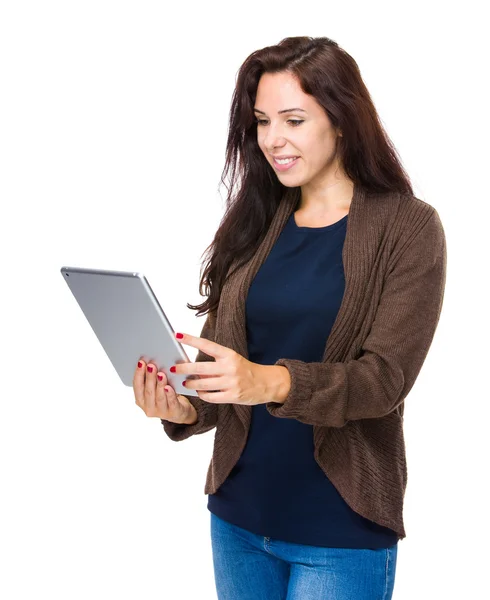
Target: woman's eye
{"points": [[294, 122]]}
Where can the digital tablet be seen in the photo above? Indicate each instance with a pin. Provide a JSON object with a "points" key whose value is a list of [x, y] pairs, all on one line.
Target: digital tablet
{"points": [[129, 322]]}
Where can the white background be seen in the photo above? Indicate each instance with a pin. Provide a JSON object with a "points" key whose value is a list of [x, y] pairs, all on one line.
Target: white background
{"points": [[113, 121]]}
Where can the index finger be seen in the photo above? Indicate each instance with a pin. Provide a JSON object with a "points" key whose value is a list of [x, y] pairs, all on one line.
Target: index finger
{"points": [[207, 346]]}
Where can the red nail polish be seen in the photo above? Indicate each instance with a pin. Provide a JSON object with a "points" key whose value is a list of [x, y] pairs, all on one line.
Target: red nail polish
{"points": [[172, 369], [167, 389], [179, 336], [160, 377], [140, 364], [183, 383], [150, 369]]}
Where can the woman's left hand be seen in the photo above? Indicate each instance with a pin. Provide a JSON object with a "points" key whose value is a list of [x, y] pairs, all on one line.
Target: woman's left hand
{"points": [[238, 380]]}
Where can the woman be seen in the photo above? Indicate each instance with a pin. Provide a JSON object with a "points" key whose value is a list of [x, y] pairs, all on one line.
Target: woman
{"points": [[325, 283]]}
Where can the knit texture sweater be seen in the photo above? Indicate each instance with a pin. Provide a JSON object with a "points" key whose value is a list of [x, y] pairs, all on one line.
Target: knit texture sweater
{"points": [[394, 259]]}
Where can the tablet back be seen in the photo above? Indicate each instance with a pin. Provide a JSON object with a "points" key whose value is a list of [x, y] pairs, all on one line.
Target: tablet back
{"points": [[128, 320]]}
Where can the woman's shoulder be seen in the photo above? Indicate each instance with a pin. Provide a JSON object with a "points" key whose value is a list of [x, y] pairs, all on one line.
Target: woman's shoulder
{"points": [[416, 221], [407, 212], [418, 204], [402, 218]]}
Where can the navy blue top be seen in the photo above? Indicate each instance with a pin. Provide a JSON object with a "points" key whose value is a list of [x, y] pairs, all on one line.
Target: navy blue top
{"points": [[277, 489]]}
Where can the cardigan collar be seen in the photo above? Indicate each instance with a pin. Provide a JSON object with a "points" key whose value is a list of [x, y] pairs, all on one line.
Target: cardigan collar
{"points": [[231, 322]]}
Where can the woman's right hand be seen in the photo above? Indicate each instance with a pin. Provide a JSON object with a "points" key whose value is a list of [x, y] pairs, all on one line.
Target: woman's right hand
{"points": [[152, 398]]}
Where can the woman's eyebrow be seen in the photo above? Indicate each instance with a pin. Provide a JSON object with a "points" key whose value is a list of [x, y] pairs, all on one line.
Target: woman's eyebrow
{"points": [[279, 112]]}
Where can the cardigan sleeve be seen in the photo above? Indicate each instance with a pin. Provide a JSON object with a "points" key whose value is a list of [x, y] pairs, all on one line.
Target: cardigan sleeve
{"points": [[207, 413], [375, 384]]}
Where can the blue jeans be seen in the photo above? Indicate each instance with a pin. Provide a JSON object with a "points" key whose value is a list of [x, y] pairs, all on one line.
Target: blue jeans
{"points": [[251, 567]]}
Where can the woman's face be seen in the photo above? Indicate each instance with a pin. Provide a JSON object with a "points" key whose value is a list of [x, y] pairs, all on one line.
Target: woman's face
{"points": [[307, 133]]}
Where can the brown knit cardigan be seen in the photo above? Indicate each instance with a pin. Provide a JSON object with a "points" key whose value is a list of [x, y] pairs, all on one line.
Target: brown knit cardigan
{"points": [[394, 259]]}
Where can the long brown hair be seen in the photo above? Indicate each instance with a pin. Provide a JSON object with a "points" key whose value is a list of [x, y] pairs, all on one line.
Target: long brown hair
{"points": [[367, 155]]}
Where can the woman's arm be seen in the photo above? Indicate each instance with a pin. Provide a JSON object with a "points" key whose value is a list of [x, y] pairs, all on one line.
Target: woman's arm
{"points": [[331, 394]]}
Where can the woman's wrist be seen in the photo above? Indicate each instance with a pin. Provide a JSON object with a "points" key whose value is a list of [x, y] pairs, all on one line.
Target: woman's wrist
{"points": [[192, 417]]}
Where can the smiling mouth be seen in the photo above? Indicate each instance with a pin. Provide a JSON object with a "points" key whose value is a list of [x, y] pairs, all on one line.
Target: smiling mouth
{"points": [[285, 166]]}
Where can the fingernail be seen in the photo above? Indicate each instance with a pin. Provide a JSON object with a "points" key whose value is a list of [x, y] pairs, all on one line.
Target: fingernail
{"points": [[183, 383], [140, 364], [160, 377], [172, 369], [179, 335], [150, 369], [167, 389]]}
